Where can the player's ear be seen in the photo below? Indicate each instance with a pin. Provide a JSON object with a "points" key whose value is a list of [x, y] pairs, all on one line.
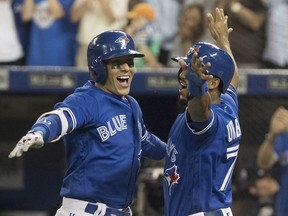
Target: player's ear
{"points": [[213, 83]]}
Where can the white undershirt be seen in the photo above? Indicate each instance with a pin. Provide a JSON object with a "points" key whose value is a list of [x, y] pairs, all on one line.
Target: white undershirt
{"points": [[10, 47]]}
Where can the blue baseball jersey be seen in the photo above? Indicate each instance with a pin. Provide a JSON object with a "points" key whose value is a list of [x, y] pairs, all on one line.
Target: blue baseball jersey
{"points": [[281, 149], [199, 164], [107, 138]]}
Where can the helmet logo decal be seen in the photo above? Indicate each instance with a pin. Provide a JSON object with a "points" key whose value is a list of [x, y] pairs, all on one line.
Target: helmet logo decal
{"points": [[193, 49], [124, 40]]}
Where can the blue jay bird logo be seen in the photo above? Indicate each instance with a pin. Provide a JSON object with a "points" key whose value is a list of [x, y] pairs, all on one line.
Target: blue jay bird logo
{"points": [[171, 177], [193, 49], [123, 41]]}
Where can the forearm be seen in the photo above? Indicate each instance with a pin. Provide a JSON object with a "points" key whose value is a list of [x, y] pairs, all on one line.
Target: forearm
{"points": [[27, 10], [56, 9], [265, 157], [220, 33], [108, 11], [199, 108], [78, 10], [150, 58], [252, 20], [225, 45]]}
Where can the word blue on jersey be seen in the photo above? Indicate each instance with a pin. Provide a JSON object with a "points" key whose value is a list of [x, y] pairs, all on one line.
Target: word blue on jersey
{"points": [[105, 141], [199, 164]]}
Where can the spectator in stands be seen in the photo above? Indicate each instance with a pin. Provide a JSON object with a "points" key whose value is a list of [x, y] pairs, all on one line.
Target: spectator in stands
{"points": [[274, 19], [264, 188], [276, 48], [167, 13], [274, 149], [142, 28], [248, 37], [254, 191], [192, 28], [11, 49], [95, 17], [51, 32], [23, 28]]}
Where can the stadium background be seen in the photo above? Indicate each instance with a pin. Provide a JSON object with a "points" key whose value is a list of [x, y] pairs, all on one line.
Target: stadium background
{"points": [[30, 185]]}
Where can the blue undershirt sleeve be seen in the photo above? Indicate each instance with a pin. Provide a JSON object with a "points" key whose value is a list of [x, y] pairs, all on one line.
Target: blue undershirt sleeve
{"points": [[198, 126], [50, 126]]}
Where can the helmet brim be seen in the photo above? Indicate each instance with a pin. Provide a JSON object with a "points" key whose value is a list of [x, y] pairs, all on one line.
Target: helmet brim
{"points": [[177, 58], [122, 53]]}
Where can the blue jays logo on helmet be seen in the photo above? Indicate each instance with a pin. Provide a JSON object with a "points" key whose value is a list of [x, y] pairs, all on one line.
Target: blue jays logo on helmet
{"points": [[222, 65], [123, 41], [194, 48], [105, 46]]}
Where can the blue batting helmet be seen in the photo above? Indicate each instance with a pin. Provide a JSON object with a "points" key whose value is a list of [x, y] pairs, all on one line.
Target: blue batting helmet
{"points": [[222, 65], [105, 46]]}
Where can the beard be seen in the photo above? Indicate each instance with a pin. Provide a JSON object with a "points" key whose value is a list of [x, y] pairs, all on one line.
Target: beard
{"points": [[181, 105]]}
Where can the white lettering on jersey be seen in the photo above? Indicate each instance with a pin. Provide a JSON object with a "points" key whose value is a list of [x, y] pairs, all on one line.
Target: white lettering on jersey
{"points": [[171, 151], [233, 129], [118, 123]]}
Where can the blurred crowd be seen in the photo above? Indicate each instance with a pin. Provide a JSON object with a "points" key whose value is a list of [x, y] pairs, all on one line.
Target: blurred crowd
{"points": [[57, 32]]}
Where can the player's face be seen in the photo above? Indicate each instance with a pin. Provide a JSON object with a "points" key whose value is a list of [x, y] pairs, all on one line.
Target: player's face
{"points": [[120, 74], [183, 91]]}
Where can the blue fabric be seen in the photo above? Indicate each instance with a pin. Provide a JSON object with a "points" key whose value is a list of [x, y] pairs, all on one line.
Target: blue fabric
{"points": [[105, 146], [199, 163], [51, 41], [196, 86], [281, 148]]}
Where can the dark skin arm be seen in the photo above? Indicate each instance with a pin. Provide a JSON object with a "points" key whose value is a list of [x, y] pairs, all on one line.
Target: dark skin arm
{"points": [[199, 108]]}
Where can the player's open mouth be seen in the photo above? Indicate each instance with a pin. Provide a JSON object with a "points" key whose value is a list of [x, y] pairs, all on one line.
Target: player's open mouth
{"points": [[123, 80]]}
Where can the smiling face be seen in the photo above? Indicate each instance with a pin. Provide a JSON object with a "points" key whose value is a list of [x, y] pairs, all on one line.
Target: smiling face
{"points": [[120, 74], [183, 91]]}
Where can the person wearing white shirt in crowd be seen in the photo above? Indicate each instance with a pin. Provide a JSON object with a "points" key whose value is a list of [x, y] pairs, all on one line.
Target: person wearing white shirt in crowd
{"points": [[95, 17], [11, 50]]}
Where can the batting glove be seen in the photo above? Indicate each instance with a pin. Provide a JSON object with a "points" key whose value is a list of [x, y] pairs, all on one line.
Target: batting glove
{"points": [[33, 139]]}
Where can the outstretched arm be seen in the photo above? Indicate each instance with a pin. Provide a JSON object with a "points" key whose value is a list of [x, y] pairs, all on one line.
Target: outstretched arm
{"points": [[199, 106], [220, 32]]}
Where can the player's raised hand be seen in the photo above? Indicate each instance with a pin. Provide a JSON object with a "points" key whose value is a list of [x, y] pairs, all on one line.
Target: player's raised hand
{"points": [[197, 67], [218, 27], [279, 121], [195, 74], [32, 139]]}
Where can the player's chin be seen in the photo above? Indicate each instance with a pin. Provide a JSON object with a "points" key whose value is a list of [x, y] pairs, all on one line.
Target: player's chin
{"points": [[123, 91], [183, 95], [181, 104]]}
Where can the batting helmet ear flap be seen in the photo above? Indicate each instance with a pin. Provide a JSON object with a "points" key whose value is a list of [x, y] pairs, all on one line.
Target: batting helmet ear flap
{"points": [[97, 70]]}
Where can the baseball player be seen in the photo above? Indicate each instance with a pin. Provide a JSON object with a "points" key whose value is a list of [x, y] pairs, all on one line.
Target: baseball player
{"points": [[204, 140], [273, 149], [103, 133]]}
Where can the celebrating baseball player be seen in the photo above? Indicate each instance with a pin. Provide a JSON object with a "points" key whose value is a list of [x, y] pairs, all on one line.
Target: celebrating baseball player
{"points": [[204, 140], [103, 133]]}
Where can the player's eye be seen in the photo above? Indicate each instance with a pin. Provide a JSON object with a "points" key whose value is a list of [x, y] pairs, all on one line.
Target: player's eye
{"points": [[130, 64], [116, 66]]}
